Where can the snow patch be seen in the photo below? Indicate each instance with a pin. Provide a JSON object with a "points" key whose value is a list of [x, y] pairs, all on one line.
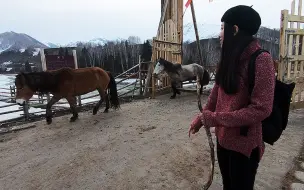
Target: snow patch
{"points": [[7, 63], [36, 52], [2, 50], [16, 114]]}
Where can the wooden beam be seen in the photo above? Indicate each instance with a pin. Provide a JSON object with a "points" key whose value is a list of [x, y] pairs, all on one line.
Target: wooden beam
{"points": [[283, 51], [167, 49], [293, 31], [295, 18], [296, 58], [162, 17], [167, 42]]}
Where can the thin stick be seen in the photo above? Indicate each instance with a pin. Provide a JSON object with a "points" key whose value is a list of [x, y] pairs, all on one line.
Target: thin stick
{"points": [[208, 133]]}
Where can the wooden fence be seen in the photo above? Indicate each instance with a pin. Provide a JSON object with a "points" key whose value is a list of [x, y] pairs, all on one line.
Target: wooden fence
{"points": [[291, 65]]}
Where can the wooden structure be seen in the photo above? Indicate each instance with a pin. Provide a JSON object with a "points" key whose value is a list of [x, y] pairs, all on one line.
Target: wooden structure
{"points": [[168, 41], [291, 65], [53, 59]]}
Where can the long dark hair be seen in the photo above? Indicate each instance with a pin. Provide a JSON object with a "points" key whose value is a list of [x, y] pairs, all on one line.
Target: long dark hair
{"points": [[227, 75]]}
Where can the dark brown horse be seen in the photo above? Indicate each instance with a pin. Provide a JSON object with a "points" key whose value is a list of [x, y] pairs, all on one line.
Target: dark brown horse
{"points": [[67, 83]]}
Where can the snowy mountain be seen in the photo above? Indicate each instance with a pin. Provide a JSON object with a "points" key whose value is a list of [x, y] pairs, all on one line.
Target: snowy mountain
{"points": [[93, 42], [18, 42], [52, 45]]}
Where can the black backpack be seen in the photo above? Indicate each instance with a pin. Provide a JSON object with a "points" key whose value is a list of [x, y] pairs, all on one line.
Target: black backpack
{"points": [[273, 125]]}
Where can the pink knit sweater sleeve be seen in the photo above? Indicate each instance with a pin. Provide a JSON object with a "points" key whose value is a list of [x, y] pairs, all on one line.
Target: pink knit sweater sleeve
{"points": [[212, 99], [261, 99]]}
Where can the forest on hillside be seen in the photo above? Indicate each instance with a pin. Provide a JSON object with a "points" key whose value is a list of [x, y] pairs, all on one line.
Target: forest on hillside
{"points": [[120, 55]]}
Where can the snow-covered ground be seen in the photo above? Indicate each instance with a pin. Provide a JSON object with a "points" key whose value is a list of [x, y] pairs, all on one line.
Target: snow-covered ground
{"points": [[15, 107]]}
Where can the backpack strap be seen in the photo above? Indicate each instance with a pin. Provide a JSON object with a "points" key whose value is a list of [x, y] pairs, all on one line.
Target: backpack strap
{"points": [[251, 80], [251, 69]]}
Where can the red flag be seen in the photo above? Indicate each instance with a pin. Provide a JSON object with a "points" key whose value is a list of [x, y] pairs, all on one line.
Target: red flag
{"points": [[188, 3]]}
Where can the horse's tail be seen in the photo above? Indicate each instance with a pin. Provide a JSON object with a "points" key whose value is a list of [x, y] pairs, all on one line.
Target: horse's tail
{"points": [[113, 91], [206, 78]]}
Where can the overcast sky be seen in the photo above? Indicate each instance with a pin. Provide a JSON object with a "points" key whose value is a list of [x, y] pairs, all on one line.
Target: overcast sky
{"points": [[64, 21]]}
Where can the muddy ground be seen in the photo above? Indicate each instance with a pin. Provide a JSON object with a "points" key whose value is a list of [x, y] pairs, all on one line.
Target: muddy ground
{"points": [[142, 146]]}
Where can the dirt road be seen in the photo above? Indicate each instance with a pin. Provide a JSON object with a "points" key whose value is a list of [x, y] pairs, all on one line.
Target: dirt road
{"points": [[142, 146]]}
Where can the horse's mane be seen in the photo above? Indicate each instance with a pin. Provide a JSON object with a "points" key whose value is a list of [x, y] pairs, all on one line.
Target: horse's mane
{"points": [[170, 67], [43, 82]]}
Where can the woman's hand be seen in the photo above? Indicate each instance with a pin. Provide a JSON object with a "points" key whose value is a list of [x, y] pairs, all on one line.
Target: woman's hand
{"points": [[195, 125]]}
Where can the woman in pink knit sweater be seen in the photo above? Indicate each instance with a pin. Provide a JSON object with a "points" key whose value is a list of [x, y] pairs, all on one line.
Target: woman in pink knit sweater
{"points": [[229, 106]]}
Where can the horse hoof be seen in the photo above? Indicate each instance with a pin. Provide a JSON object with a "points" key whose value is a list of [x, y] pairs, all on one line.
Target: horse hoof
{"points": [[106, 111], [178, 93], [73, 119], [48, 120], [172, 97], [94, 111]]}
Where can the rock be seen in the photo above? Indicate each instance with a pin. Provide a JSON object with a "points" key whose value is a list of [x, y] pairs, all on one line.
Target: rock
{"points": [[297, 186], [16, 128], [3, 130], [300, 175]]}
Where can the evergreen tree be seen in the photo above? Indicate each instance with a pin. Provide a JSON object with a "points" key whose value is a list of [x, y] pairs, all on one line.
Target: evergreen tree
{"points": [[146, 52], [61, 51], [66, 52], [27, 67]]}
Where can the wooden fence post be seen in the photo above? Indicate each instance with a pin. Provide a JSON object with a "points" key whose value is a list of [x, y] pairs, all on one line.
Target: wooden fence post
{"points": [[76, 67], [43, 65], [13, 94], [140, 77]]}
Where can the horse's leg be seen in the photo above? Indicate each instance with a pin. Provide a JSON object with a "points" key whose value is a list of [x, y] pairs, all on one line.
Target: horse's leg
{"points": [[49, 105], [177, 91], [102, 97], [173, 86], [201, 89], [107, 102], [204, 81], [72, 102]]}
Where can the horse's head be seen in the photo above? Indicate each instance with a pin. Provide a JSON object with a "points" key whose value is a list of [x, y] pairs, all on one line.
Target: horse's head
{"points": [[159, 67], [164, 67], [23, 90]]}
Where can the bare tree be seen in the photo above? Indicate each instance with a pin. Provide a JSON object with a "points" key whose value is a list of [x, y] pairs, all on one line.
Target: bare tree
{"points": [[134, 40]]}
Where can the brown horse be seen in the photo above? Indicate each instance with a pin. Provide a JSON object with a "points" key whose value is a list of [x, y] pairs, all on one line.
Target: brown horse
{"points": [[67, 83]]}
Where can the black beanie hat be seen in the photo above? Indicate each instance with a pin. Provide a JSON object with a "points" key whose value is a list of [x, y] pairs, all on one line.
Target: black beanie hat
{"points": [[245, 17]]}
